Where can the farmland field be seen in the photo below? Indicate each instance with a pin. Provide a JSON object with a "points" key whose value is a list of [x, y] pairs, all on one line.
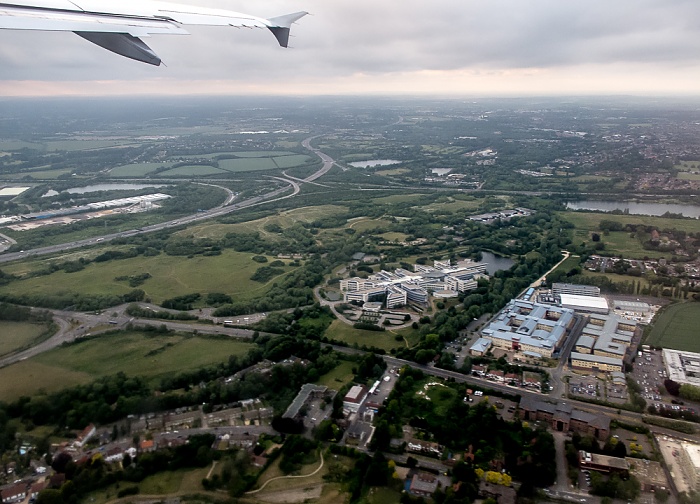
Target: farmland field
{"points": [[191, 171], [136, 170], [42, 174], [77, 144], [676, 328], [135, 353], [290, 161], [261, 154], [16, 335], [171, 276], [248, 164]]}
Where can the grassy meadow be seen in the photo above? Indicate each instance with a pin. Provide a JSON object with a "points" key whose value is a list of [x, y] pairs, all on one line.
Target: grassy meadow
{"points": [[171, 276], [17, 335], [136, 353], [284, 219]]}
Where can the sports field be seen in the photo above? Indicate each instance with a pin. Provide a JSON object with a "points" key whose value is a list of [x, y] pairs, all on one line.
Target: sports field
{"points": [[135, 353], [676, 327], [171, 276]]}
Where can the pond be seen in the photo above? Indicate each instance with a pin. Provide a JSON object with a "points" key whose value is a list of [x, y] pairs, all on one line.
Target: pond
{"points": [[495, 263], [374, 162]]}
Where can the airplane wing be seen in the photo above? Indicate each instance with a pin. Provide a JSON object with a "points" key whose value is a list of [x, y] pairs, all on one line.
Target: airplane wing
{"points": [[117, 26]]}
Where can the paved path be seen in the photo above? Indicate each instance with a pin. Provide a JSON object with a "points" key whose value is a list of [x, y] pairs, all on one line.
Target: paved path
{"points": [[286, 477]]}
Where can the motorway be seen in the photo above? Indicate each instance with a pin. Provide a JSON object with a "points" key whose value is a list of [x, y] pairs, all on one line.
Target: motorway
{"points": [[223, 209]]}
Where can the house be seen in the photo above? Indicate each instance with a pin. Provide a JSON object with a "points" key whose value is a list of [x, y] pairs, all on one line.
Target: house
{"points": [[115, 454], [14, 493], [36, 488], [85, 436], [423, 484], [57, 480], [425, 447], [513, 378], [147, 445], [496, 375], [479, 369]]}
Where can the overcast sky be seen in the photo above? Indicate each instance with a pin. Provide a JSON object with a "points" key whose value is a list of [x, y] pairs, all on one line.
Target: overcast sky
{"points": [[437, 47]]}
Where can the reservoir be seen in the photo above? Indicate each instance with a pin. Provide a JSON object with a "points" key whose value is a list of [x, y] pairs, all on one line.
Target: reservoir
{"points": [[374, 162], [110, 187], [636, 208], [495, 263]]}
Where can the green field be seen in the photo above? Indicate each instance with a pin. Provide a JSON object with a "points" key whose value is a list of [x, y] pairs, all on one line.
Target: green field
{"points": [[171, 276], [248, 164], [381, 339], [394, 236], [398, 198], [613, 277], [18, 335], [191, 171], [338, 376], [136, 170], [261, 154], [133, 352], [688, 165], [165, 483], [363, 224], [591, 220], [452, 205], [291, 161], [15, 145], [284, 219], [676, 327], [688, 176], [622, 242], [80, 144], [42, 174], [395, 171], [383, 495]]}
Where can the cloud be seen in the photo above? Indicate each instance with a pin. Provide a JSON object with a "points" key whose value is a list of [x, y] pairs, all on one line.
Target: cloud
{"points": [[365, 45]]}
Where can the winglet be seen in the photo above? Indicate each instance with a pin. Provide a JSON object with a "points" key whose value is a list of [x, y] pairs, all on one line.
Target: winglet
{"points": [[279, 26]]}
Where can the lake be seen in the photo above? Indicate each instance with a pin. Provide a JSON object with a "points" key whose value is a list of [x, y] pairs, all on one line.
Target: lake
{"points": [[374, 162], [636, 208], [495, 263], [110, 187]]}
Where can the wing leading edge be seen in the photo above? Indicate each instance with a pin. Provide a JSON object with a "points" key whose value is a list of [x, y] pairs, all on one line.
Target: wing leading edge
{"points": [[118, 27]]}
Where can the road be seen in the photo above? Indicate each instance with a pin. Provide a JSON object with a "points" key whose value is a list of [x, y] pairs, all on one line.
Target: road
{"points": [[225, 208]]}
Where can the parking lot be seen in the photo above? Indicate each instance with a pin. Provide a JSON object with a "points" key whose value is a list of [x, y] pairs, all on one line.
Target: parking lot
{"points": [[586, 386], [650, 374]]}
